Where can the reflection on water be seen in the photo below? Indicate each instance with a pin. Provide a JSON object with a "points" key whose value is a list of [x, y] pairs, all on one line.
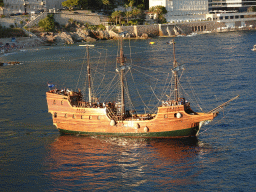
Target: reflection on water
{"points": [[105, 162]]}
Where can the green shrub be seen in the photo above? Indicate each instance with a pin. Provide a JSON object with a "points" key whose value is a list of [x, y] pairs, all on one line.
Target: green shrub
{"points": [[101, 27], [92, 27], [47, 23]]}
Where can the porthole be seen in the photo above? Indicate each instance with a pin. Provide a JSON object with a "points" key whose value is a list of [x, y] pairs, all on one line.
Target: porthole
{"points": [[55, 115], [178, 115]]}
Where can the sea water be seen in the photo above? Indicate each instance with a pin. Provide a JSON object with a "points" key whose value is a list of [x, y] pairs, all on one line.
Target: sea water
{"points": [[35, 157]]}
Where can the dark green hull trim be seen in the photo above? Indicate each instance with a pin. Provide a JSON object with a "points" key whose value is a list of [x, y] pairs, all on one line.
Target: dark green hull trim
{"points": [[168, 134]]}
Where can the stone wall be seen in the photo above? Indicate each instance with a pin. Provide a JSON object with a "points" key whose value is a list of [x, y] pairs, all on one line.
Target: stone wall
{"points": [[62, 18], [6, 22], [138, 30]]}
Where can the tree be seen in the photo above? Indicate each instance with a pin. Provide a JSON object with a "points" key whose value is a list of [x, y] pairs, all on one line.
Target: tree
{"points": [[136, 12], [251, 9], [128, 14], [70, 3], [1, 3], [116, 15], [47, 23], [160, 11]]}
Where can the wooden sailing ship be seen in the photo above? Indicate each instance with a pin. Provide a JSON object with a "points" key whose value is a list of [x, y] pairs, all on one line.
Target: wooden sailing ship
{"points": [[71, 114]]}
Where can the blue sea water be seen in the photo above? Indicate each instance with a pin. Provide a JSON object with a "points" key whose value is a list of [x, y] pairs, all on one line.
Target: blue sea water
{"points": [[35, 157]]}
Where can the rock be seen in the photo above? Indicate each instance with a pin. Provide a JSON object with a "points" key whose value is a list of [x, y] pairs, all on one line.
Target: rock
{"points": [[64, 37], [144, 36], [103, 35], [76, 37], [90, 39]]}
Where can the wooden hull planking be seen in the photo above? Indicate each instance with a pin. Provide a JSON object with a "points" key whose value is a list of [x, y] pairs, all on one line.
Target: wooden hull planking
{"points": [[95, 121]]}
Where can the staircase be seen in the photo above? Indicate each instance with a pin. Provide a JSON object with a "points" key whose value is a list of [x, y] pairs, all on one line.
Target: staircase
{"points": [[37, 19]]}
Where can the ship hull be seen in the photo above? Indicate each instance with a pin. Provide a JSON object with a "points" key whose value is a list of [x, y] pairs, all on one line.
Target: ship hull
{"points": [[191, 132], [70, 119]]}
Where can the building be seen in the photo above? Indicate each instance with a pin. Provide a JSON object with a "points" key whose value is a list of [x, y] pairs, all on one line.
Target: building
{"points": [[230, 5], [27, 6], [182, 10]]}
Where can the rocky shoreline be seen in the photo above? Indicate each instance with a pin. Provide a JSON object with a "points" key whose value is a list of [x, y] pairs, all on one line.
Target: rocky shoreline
{"points": [[8, 45], [78, 34]]}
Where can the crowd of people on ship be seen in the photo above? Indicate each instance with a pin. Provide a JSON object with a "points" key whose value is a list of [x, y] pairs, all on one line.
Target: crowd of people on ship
{"points": [[76, 99], [181, 101]]}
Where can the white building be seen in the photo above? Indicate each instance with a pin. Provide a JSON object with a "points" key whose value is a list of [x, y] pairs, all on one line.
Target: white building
{"points": [[26, 6], [181, 10], [230, 5]]}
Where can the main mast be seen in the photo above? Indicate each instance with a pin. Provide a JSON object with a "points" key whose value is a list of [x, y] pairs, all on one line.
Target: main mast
{"points": [[121, 60]]}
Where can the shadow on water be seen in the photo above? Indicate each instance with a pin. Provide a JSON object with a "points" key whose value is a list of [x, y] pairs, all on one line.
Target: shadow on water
{"points": [[110, 162]]}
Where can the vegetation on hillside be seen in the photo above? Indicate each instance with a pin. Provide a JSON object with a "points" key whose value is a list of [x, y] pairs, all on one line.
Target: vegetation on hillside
{"points": [[11, 32], [105, 5], [47, 23], [160, 11], [1, 3], [251, 9]]}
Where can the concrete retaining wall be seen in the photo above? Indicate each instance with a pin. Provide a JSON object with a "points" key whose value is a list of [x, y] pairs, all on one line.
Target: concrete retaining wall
{"points": [[62, 19], [7, 22], [181, 28]]}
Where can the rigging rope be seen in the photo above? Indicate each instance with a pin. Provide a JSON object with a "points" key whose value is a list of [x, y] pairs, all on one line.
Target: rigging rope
{"points": [[80, 71], [138, 91], [196, 98]]}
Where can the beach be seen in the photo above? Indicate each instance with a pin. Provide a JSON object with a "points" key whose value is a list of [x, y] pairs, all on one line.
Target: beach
{"points": [[8, 45]]}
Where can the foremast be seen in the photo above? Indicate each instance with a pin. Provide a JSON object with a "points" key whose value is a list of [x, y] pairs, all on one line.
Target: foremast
{"points": [[89, 74]]}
